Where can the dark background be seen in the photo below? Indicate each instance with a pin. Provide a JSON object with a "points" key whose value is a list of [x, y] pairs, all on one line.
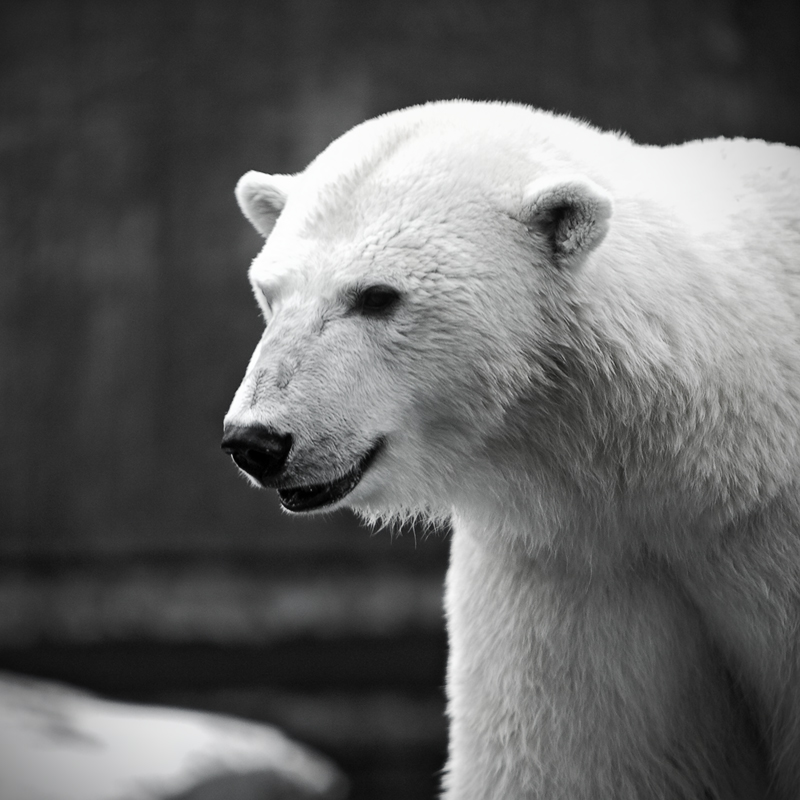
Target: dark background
{"points": [[133, 560]]}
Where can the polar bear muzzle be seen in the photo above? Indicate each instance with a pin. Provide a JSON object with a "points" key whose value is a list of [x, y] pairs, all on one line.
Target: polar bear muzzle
{"points": [[261, 453], [321, 495]]}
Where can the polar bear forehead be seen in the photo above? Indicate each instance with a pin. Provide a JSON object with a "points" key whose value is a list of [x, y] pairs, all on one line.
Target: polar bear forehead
{"points": [[404, 254], [434, 153], [409, 180], [411, 149]]}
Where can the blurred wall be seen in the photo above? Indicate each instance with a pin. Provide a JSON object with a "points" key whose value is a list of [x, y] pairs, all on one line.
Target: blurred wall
{"points": [[132, 558]]}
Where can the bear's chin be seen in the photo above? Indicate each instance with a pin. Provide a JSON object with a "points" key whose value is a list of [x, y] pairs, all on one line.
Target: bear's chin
{"points": [[314, 497]]}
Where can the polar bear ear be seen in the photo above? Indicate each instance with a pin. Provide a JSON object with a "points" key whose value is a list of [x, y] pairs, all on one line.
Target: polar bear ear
{"points": [[262, 198], [570, 213]]}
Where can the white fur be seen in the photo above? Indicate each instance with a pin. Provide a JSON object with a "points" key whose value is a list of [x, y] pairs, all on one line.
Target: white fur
{"points": [[262, 198], [594, 373]]}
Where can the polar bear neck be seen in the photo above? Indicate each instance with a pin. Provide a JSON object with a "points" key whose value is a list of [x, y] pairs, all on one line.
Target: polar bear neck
{"points": [[656, 436]]}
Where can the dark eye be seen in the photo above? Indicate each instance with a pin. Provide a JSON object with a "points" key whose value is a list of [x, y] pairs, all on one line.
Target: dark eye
{"points": [[376, 300]]}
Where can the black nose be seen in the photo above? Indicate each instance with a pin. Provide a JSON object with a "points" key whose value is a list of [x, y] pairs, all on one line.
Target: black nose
{"points": [[257, 450]]}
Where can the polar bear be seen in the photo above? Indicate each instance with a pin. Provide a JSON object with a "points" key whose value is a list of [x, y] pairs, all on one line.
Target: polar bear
{"points": [[584, 354]]}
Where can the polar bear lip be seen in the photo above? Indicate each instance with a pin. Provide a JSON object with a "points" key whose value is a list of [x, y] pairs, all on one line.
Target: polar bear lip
{"points": [[319, 495]]}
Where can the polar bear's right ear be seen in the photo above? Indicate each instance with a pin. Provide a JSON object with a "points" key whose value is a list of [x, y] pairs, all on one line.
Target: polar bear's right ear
{"points": [[262, 198], [569, 213]]}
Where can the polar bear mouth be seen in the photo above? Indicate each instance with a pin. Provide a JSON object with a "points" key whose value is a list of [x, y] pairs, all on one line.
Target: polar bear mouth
{"points": [[319, 495]]}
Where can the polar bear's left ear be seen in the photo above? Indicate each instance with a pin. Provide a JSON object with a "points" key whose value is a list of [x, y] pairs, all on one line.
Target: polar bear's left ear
{"points": [[262, 198], [571, 214]]}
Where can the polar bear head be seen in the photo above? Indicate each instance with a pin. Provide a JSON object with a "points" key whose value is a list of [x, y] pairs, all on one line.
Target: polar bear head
{"points": [[416, 283]]}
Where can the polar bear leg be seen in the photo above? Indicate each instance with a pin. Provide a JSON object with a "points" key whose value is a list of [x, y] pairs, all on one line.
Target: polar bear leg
{"points": [[568, 687]]}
